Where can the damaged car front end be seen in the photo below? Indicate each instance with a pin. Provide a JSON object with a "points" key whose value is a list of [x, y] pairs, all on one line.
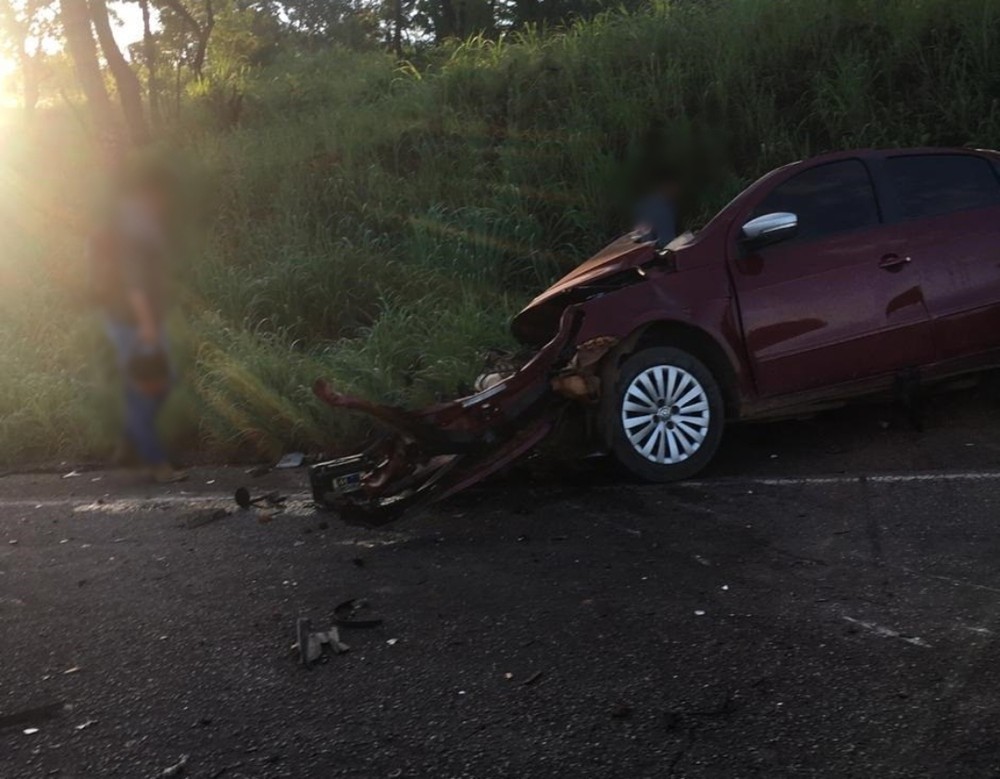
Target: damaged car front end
{"points": [[432, 453]]}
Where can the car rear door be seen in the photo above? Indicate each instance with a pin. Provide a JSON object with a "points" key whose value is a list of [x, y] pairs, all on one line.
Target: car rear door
{"points": [[949, 209], [837, 302]]}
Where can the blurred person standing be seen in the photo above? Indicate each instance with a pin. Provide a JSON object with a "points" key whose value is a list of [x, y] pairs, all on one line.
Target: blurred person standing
{"points": [[129, 257], [655, 214]]}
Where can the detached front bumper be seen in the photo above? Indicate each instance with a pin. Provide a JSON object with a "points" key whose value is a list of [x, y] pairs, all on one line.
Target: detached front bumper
{"points": [[437, 451]]}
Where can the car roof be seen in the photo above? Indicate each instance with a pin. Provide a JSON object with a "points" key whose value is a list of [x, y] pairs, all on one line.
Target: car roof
{"points": [[914, 151]]}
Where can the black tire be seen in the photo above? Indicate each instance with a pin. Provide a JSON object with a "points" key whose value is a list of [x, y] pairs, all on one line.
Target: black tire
{"points": [[658, 365]]}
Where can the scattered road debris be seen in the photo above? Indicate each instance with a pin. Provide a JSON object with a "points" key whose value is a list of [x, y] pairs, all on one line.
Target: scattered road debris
{"points": [[73, 670], [310, 643], [291, 460], [85, 725], [176, 769], [699, 612], [345, 615], [881, 630], [30, 731], [392, 641], [532, 679], [245, 501], [71, 475]]}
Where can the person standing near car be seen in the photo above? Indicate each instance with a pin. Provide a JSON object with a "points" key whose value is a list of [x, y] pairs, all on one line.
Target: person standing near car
{"points": [[655, 215], [129, 258]]}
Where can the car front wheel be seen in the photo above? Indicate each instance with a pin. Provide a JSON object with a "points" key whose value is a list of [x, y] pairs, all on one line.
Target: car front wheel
{"points": [[665, 415]]}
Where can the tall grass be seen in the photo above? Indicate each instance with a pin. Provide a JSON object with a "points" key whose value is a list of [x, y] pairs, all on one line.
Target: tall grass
{"points": [[378, 224]]}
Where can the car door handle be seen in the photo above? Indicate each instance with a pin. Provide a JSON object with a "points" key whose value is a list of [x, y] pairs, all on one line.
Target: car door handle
{"points": [[891, 261]]}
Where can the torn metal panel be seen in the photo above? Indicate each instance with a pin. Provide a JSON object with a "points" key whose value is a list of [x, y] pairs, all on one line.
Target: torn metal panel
{"points": [[439, 450]]}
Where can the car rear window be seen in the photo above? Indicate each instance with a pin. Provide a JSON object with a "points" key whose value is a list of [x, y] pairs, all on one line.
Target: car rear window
{"points": [[828, 199], [929, 185]]}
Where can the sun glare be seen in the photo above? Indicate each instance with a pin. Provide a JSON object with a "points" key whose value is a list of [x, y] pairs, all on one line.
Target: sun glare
{"points": [[8, 82]]}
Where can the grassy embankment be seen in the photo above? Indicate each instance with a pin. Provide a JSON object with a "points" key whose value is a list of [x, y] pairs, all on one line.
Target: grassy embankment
{"points": [[378, 225]]}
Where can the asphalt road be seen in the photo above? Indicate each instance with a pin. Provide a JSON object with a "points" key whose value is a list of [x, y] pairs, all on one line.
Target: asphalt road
{"points": [[823, 603]]}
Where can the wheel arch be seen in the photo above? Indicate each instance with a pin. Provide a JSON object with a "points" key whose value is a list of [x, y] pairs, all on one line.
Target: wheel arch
{"points": [[691, 339]]}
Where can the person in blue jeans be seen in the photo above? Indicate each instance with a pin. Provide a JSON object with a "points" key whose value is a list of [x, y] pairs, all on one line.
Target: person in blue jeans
{"points": [[129, 257]]}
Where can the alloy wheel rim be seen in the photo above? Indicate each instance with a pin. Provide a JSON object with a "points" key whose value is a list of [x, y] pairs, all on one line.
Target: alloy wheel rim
{"points": [[665, 414]]}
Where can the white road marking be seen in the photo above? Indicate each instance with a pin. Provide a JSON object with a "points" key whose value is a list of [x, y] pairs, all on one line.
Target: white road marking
{"points": [[884, 632], [952, 581], [875, 478], [304, 499]]}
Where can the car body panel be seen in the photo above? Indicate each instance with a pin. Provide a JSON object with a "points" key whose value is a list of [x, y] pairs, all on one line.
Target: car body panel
{"points": [[824, 311], [834, 324]]}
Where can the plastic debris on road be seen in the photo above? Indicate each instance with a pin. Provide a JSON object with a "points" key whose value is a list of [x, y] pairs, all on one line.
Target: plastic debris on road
{"points": [[291, 460]]}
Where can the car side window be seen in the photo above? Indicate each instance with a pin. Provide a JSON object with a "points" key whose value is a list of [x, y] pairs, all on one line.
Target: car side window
{"points": [[934, 184], [834, 198]]}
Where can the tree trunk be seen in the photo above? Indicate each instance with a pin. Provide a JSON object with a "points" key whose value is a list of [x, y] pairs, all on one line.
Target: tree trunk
{"points": [[129, 89], [202, 32], [203, 35], [397, 31], [149, 52], [80, 42], [177, 91]]}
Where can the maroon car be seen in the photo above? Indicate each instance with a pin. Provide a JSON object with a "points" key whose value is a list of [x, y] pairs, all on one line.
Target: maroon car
{"points": [[825, 280]]}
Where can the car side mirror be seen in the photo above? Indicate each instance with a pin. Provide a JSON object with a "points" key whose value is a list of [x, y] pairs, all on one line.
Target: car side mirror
{"points": [[769, 228]]}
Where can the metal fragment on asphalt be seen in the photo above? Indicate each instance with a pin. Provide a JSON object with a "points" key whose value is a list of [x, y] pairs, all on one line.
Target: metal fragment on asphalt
{"points": [[309, 643], [176, 769]]}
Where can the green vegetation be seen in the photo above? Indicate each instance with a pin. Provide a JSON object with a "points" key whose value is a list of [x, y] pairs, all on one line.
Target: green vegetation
{"points": [[378, 224]]}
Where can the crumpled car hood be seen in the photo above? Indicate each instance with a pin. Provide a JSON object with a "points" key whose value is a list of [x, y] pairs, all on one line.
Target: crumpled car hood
{"points": [[534, 323], [618, 255]]}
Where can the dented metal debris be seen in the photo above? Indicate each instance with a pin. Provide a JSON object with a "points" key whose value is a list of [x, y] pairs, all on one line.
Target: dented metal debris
{"points": [[437, 451]]}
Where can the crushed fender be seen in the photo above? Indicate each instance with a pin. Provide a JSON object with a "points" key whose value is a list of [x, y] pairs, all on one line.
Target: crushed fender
{"points": [[435, 452]]}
